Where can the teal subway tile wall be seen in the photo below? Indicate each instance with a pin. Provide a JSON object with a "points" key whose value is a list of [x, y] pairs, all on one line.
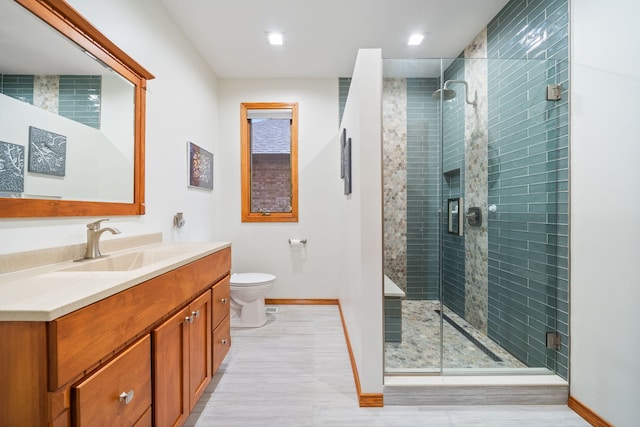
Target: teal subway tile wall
{"points": [[343, 91], [80, 98], [17, 86], [423, 190]]}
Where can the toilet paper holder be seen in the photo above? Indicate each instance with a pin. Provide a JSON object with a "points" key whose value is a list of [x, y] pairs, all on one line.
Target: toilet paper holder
{"points": [[297, 241]]}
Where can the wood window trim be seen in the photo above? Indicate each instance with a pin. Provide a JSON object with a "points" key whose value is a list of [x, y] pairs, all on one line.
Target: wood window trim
{"points": [[245, 167]]}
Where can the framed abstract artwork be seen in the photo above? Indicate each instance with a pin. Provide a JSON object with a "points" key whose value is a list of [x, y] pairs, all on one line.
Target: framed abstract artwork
{"points": [[200, 167]]}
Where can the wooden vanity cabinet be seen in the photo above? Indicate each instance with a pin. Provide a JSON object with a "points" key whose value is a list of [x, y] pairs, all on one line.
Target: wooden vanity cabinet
{"points": [[182, 361], [72, 370]]}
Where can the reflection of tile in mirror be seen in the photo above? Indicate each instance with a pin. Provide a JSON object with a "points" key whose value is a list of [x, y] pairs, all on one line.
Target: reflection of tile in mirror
{"points": [[11, 167], [47, 152]]}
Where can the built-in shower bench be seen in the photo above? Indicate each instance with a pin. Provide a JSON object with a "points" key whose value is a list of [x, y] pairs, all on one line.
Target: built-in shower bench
{"points": [[393, 297]]}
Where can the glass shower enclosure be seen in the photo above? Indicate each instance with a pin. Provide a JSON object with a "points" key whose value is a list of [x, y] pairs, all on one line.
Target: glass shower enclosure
{"points": [[475, 171]]}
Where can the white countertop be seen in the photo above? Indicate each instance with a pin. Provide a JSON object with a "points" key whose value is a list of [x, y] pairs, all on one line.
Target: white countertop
{"points": [[46, 293]]}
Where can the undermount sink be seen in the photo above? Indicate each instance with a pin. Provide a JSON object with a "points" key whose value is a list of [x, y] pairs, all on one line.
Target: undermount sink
{"points": [[124, 262]]}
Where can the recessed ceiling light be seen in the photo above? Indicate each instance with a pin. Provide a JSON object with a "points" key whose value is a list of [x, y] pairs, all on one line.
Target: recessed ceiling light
{"points": [[276, 39], [415, 39]]}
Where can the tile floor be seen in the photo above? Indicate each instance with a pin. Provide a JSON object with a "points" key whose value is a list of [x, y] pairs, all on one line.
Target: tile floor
{"points": [[420, 346], [295, 371]]}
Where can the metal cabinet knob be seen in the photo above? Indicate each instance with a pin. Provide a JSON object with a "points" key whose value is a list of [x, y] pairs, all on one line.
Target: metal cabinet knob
{"points": [[195, 314], [223, 341], [188, 319], [223, 300], [126, 397]]}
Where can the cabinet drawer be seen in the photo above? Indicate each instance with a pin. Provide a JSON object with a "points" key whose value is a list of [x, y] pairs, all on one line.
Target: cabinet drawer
{"points": [[221, 342], [97, 401], [221, 301]]}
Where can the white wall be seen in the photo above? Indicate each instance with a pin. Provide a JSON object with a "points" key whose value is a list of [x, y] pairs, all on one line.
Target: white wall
{"points": [[312, 271], [605, 202], [360, 243], [181, 106]]}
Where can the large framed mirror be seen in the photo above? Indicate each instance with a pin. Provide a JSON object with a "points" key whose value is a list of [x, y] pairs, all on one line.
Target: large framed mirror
{"points": [[72, 116]]}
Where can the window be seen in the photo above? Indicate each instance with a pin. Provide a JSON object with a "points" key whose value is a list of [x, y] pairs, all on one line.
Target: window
{"points": [[269, 137]]}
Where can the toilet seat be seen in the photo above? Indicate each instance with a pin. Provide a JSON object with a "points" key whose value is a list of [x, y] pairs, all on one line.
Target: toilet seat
{"points": [[251, 279]]}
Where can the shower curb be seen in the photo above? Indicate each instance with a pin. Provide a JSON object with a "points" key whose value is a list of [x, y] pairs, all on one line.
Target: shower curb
{"points": [[477, 392]]}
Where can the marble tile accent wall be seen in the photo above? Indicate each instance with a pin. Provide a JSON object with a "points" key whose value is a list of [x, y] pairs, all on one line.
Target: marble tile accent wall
{"points": [[476, 189], [394, 151], [45, 93]]}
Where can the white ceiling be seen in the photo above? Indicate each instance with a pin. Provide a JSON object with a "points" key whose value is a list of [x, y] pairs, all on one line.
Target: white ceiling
{"points": [[322, 37]]}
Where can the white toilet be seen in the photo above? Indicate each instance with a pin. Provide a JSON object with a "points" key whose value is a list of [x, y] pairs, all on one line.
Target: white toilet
{"points": [[248, 291]]}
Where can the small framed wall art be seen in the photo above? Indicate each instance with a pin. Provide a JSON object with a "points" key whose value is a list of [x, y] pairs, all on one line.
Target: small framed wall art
{"points": [[47, 152], [11, 167], [343, 144], [200, 167], [347, 167]]}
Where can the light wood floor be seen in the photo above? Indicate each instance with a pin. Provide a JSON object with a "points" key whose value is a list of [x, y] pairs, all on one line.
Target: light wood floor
{"points": [[295, 371]]}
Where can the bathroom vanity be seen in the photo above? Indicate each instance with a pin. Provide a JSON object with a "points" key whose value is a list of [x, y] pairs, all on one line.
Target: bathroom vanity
{"points": [[130, 339]]}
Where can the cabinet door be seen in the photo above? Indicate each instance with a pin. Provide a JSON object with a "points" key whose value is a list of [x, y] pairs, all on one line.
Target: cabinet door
{"points": [[119, 392], [171, 370], [199, 347]]}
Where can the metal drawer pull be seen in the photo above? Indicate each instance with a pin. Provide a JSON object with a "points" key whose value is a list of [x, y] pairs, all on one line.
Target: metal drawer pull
{"points": [[223, 300], [196, 313], [126, 397]]}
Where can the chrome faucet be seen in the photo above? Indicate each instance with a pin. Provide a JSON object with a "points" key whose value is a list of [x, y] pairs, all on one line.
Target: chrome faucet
{"points": [[93, 238]]}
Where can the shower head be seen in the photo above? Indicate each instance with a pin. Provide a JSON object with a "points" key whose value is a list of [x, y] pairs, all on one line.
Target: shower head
{"points": [[448, 94]]}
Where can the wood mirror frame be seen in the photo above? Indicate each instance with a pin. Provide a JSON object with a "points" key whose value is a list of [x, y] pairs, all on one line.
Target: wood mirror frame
{"points": [[68, 22]]}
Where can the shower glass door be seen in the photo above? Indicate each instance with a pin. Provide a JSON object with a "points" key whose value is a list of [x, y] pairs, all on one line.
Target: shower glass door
{"points": [[505, 160], [475, 216]]}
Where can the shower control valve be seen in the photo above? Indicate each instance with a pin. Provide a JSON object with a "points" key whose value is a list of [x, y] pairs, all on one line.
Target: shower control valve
{"points": [[474, 216]]}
